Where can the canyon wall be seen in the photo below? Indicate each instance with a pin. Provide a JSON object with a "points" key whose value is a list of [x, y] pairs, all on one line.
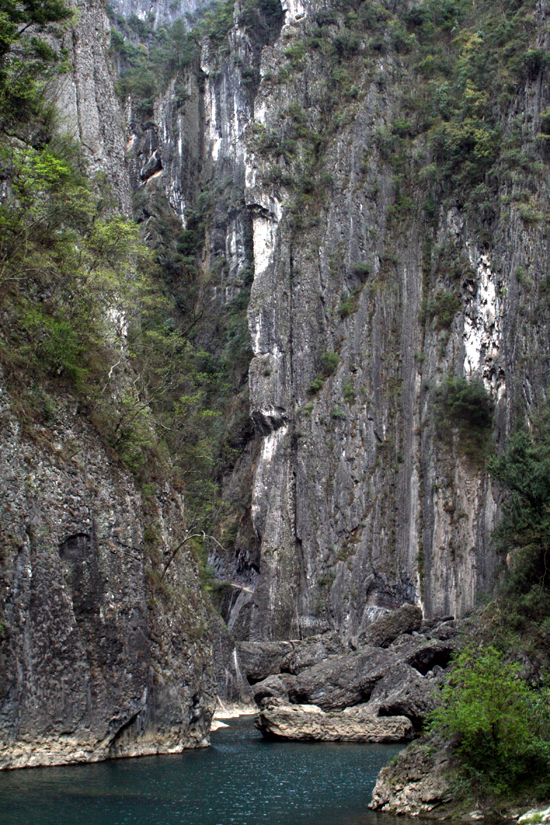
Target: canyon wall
{"points": [[385, 285], [105, 647], [365, 302]]}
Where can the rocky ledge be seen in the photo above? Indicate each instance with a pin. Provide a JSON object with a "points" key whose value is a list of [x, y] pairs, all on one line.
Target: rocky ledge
{"points": [[309, 722], [379, 687]]}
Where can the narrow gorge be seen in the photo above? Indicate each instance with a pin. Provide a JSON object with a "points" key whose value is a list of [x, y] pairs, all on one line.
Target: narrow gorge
{"points": [[280, 446]]}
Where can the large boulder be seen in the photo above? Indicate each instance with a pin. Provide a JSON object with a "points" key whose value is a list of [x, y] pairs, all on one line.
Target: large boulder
{"points": [[258, 660], [342, 681], [310, 722], [274, 687], [403, 691], [415, 783], [314, 650], [397, 677], [383, 631]]}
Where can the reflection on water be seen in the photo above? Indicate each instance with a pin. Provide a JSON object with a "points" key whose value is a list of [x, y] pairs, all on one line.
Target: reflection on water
{"points": [[240, 780]]}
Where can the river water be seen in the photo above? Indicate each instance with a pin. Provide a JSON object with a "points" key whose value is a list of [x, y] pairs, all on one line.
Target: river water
{"points": [[240, 780]]}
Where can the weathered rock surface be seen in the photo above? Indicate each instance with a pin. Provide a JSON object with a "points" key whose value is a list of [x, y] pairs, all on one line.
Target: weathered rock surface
{"points": [[88, 107], [415, 783], [231, 682], [96, 659], [262, 659], [353, 499], [404, 675], [341, 681], [401, 680], [403, 691], [309, 722], [157, 12], [274, 687], [386, 629]]}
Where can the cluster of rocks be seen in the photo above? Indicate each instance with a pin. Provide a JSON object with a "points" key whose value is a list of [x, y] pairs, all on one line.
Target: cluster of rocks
{"points": [[376, 688]]}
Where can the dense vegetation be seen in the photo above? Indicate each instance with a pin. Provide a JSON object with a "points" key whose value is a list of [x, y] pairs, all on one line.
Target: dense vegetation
{"points": [[85, 311], [73, 272]]}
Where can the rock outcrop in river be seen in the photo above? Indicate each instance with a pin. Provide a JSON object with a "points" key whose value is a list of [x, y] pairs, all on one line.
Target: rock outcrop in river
{"points": [[373, 693]]}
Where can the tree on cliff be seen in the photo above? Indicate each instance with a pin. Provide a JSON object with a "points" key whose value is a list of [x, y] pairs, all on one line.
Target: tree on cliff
{"points": [[26, 61], [524, 530]]}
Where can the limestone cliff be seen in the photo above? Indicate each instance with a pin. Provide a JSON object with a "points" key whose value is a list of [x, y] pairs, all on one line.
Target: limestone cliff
{"points": [[88, 108], [372, 288], [96, 661], [105, 649]]}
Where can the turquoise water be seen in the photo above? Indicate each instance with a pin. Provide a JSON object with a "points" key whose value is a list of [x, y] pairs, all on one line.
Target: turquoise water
{"points": [[240, 780]]}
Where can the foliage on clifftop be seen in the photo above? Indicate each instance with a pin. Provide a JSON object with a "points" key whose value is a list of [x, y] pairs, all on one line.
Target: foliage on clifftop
{"points": [[78, 295]]}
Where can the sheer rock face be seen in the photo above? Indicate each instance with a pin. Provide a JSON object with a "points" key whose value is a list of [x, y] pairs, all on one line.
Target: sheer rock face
{"points": [[357, 506], [94, 662], [88, 108], [158, 12]]}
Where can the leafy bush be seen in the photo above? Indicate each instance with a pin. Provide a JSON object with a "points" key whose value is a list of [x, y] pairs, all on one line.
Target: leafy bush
{"points": [[466, 407], [442, 308], [316, 385], [524, 530], [329, 362], [500, 726]]}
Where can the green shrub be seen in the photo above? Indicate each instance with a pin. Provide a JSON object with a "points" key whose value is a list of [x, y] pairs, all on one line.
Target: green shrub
{"points": [[501, 728], [348, 393], [466, 407], [361, 269], [524, 530], [347, 307], [329, 363], [442, 308], [316, 385]]}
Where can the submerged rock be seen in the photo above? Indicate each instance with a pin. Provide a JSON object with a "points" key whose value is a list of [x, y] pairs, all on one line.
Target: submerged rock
{"points": [[310, 722]]}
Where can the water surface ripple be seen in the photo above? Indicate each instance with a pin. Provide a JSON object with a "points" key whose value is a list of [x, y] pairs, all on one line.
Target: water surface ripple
{"points": [[240, 780]]}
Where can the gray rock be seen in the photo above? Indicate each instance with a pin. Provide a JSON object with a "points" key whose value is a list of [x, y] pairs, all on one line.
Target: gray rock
{"points": [[232, 684], [415, 783], [309, 722], [342, 681], [403, 691], [262, 659], [274, 687], [88, 107], [383, 631], [314, 650], [97, 661], [386, 679]]}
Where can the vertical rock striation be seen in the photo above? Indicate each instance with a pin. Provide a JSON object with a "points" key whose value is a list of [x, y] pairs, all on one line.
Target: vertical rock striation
{"points": [[88, 108], [361, 308]]}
